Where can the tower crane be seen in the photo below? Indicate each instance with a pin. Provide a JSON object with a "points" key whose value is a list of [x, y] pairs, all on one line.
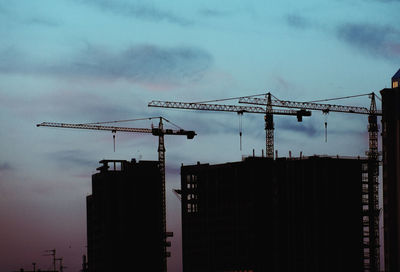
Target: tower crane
{"points": [[268, 112], [156, 131], [372, 113], [371, 212]]}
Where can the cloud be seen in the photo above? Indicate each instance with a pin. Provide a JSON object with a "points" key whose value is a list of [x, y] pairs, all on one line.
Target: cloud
{"points": [[307, 128], [173, 169], [13, 16], [143, 63], [382, 41], [82, 107], [146, 64], [387, 1], [11, 60], [2, 9], [63, 104], [377, 40], [208, 12], [5, 166], [42, 22], [138, 10], [71, 158], [297, 21]]}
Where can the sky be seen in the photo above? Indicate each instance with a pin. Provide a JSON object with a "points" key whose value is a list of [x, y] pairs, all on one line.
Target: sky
{"points": [[79, 61]]}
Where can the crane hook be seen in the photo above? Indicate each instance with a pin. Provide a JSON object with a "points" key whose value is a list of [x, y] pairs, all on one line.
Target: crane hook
{"points": [[326, 131], [240, 128], [114, 132]]}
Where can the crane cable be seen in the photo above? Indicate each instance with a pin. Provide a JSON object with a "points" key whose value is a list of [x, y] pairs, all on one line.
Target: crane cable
{"points": [[338, 98], [240, 128], [172, 123], [326, 126], [263, 94], [330, 99], [226, 99], [380, 99], [119, 121], [114, 132], [130, 120]]}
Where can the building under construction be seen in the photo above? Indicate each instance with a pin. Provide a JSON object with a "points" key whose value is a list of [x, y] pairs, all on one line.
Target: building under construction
{"points": [[287, 214], [391, 173], [124, 217]]}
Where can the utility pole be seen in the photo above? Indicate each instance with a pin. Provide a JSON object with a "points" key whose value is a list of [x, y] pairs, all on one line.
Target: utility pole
{"points": [[61, 264], [53, 254]]}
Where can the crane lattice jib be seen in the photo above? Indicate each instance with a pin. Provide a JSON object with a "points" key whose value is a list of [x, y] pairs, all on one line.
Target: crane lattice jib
{"points": [[95, 127], [155, 131], [309, 105], [218, 107]]}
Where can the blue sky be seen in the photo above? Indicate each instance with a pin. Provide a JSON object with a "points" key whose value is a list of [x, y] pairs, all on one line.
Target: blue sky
{"points": [[81, 61]]}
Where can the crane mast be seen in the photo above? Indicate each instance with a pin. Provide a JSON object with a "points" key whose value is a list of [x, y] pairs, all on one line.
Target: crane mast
{"points": [[156, 131], [269, 129], [268, 115], [161, 162], [373, 211]]}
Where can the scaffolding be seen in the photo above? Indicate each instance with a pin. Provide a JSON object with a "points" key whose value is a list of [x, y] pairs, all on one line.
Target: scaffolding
{"points": [[370, 196]]}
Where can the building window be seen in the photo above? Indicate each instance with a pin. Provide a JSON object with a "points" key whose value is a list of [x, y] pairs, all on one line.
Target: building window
{"points": [[192, 208], [191, 181], [395, 84], [191, 196]]}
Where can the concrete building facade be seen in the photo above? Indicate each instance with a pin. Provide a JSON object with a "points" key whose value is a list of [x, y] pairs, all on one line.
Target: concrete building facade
{"points": [[391, 173], [124, 217], [261, 214]]}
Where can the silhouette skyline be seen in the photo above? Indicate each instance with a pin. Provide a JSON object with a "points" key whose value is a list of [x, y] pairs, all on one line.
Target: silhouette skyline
{"points": [[125, 217], [89, 61], [391, 178], [287, 214], [111, 202]]}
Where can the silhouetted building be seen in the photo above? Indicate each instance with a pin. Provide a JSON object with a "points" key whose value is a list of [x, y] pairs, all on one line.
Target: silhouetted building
{"points": [[396, 80], [391, 173], [260, 214], [38, 270], [124, 217]]}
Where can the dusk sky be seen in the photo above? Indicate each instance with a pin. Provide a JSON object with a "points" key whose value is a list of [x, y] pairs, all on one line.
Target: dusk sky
{"points": [[79, 61]]}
